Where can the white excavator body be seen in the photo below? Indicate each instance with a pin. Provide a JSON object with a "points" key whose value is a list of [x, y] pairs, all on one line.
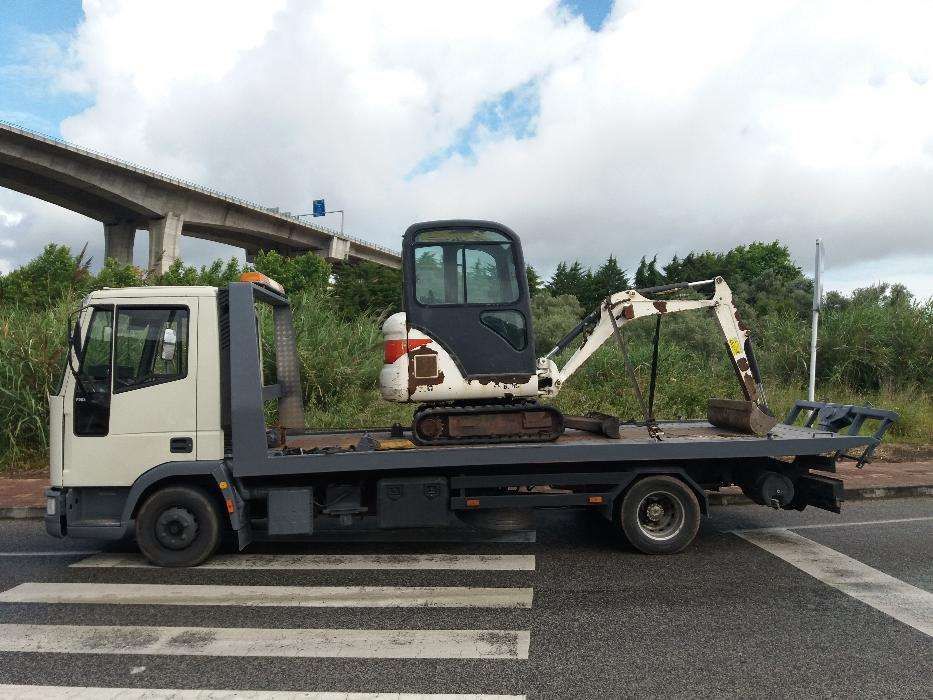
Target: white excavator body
{"points": [[418, 369]]}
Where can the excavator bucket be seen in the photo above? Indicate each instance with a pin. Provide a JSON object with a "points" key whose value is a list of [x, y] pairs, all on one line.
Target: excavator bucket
{"points": [[740, 416]]}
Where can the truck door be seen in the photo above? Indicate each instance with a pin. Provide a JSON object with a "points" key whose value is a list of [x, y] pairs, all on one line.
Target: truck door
{"points": [[134, 401], [465, 287]]}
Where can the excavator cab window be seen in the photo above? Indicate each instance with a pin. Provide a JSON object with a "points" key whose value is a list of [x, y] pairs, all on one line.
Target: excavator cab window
{"points": [[464, 267], [466, 292]]}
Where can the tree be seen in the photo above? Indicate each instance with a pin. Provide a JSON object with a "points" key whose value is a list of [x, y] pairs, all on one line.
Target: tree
{"points": [[296, 273], [553, 317], [568, 280], [44, 281], [648, 274], [535, 284], [367, 287], [218, 274], [606, 281], [117, 274]]}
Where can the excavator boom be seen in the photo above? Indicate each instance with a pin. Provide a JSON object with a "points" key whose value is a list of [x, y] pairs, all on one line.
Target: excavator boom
{"points": [[750, 415]]}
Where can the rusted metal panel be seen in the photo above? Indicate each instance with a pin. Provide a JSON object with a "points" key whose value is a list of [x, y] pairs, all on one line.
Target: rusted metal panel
{"points": [[741, 416]]}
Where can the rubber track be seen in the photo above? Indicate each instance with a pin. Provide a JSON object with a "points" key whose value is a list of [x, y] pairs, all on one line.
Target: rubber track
{"points": [[424, 412]]}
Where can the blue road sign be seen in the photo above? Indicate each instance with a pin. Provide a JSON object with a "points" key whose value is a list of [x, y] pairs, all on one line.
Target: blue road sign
{"points": [[318, 207]]}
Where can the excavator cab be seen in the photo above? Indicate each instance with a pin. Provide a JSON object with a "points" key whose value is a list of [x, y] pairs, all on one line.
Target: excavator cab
{"points": [[465, 287]]}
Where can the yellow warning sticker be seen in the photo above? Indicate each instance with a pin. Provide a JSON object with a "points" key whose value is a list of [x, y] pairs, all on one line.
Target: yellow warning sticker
{"points": [[734, 345]]}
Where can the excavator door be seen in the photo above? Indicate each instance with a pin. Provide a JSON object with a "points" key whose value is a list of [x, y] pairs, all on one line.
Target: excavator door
{"points": [[465, 287]]}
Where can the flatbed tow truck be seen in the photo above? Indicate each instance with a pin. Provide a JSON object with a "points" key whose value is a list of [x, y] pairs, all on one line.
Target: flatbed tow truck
{"points": [[159, 429]]}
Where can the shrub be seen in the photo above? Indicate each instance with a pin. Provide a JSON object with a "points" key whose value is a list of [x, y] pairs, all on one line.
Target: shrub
{"points": [[553, 317]]}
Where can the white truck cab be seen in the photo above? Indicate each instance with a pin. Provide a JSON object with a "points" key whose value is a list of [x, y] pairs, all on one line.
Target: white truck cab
{"points": [[139, 394]]}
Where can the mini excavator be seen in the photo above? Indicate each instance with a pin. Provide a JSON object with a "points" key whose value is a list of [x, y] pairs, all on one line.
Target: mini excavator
{"points": [[463, 348]]}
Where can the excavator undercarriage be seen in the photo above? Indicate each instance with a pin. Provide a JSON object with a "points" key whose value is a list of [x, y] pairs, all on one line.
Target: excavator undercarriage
{"points": [[460, 424]]}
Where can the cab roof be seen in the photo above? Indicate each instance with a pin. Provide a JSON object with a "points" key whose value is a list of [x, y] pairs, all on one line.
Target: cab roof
{"points": [[145, 292]]}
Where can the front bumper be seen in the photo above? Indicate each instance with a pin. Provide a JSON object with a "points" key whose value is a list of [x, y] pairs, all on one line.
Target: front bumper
{"points": [[55, 512]]}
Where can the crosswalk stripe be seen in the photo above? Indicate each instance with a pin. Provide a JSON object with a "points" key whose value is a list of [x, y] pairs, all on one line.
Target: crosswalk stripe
{"points": [[298, 562], [266, 642], [61, 553], [908, 604], [270, 596], [41, 692]]}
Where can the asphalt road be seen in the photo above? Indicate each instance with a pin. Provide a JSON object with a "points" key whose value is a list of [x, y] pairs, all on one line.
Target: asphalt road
{"points": [[724, 618]]}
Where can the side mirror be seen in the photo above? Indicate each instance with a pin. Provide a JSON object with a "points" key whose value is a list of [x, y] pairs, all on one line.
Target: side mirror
{"points": [[168, 344], [75, 338]]}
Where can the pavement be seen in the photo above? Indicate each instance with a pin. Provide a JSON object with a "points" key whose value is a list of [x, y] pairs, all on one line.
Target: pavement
{"points": [[764, 604], [25, 497]]}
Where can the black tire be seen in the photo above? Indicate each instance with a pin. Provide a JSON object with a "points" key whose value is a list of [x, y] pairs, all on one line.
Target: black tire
{"points": [[178, 526], [659, 515]]}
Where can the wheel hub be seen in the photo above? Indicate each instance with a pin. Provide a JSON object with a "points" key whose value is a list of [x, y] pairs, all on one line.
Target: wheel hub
{"points": [[655, 512], [660, 515], [176, 528]]}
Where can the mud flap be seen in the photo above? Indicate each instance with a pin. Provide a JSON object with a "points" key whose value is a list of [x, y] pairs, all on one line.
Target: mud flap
{"points": [[235, 505], [819, 491]]}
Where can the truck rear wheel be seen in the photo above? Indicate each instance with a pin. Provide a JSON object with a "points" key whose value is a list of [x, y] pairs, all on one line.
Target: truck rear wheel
{"points": [[659, 515], [178, 526]]}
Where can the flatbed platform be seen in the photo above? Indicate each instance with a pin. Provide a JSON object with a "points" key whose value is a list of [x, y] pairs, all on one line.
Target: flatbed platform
{"points": [[683, 440]]}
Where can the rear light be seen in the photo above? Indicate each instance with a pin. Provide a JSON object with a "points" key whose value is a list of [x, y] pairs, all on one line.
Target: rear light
{"points": [[394, 349]]}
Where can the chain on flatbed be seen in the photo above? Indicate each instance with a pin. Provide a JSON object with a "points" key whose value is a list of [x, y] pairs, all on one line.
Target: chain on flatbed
{"points": [[554, 431]]}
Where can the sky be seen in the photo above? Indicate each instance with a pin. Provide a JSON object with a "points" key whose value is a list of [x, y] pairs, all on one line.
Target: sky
{"points": [[630, 128]]}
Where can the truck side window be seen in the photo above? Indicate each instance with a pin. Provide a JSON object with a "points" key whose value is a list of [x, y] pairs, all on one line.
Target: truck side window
{"points": [[92, 391], [151, 346]]}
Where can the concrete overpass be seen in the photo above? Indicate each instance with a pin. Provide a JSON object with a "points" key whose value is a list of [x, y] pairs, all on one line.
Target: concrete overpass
{"points": [[126, 198]]}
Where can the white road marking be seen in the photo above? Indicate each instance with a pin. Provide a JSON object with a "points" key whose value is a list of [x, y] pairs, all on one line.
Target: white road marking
{"points": [[41, 692], [908, 604], [270, 596], [821, 525], [266, 642], [75, 553], [300, 562]]}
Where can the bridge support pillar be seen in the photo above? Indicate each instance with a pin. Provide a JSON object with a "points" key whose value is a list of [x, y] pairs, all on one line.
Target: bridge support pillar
{"points": [[118, 241], [338, 250], [164, 235]]}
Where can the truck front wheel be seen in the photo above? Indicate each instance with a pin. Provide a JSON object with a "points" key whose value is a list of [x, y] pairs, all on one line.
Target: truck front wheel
{"points": [[659, 515], [178, 526]]}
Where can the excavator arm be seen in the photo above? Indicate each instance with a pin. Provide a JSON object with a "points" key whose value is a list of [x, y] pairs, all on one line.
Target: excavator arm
{"points": [[629, 305]]}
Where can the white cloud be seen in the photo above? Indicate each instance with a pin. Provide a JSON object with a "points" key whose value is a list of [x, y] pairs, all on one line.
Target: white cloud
{"points": [[679, 126], [8, 219]]}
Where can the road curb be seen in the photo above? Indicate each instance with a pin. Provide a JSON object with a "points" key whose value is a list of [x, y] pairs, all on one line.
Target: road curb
{"points": [[22, 513], [866, 493]]}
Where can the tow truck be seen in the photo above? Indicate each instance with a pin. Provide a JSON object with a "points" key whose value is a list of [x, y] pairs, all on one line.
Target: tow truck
{"points": [[159, 431]]}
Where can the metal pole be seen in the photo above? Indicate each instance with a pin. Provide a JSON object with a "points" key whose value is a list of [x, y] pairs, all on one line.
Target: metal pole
{"points": [[817, 301], [338, 211]]}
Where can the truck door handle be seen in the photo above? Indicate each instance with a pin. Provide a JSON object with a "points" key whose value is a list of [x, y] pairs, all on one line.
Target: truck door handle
{"points": [[181, 444]]}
